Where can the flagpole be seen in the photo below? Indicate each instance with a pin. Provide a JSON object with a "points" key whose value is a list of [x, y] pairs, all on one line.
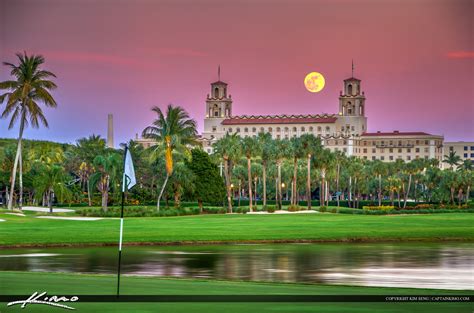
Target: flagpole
{"points": [[121, 224]]}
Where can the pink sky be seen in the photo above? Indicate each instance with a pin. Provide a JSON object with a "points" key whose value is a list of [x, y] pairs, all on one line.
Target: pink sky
{"points": [[415, 59]]}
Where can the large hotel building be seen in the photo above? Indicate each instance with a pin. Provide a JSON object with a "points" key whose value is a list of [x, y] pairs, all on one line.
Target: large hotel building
{"points": [[345, 131]]}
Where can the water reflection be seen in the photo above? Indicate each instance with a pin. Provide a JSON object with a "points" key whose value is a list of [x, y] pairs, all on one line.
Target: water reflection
{"points": [[445, 266]]}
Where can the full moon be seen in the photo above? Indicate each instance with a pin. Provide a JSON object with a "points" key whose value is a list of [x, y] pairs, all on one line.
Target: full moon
{"points": [[314, 82]]}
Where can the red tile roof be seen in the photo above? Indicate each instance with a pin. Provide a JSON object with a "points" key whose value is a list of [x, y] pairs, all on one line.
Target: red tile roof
{"points": [[279, 119], [351, 78], [396, 133], [219, 82]]}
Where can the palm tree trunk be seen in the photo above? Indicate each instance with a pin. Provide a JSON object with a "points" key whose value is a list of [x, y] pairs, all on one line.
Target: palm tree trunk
{"points": [[249, 174], [293, 186], [20, 180], [50, 201], [279, 185], [89, 192], [323, 187], [15, 165], [459, 197], [337, 184], [380, 190], [350, 191], [264, 172], [407, 192], [468, 190], [255, 191], [308, 182], [161, 192], [227, 183]]}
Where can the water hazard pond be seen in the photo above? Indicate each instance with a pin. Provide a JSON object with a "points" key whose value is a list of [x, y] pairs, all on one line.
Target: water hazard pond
{"points": [[417, 265]]}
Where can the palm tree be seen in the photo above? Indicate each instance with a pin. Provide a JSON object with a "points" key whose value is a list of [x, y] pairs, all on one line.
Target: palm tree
{"points": [[229, 149], [452, 159], [378, 169], [310, 145], [171, 130], [266, 142], [106, 171], [51, 180], [296, 152], [87, 149], [323, 161], [280, 151], [250, 149], [23, 97], [340, 159]]}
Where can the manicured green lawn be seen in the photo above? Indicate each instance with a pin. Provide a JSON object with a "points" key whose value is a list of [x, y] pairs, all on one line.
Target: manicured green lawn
{"points": [[61, 284], [17, 230]]}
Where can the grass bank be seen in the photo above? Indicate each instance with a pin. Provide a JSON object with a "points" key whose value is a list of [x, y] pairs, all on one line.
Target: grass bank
{"points": [[32, 231], [76, 284]]}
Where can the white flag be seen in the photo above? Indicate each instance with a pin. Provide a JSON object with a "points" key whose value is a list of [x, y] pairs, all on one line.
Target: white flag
{"points": [[129, 172]]}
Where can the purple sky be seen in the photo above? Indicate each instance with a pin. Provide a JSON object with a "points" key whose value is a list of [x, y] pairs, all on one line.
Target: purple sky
{"points": [[415, 59]]}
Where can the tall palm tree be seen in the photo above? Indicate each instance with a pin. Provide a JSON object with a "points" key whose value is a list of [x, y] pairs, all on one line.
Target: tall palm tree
{"points": [[86, 150], [229, 149], [250, 149], [30, 87], [106, 172], [452, 159], [173, 129], [280, 151], [310, 145], [50, 181], [378, 169], [266, 142], [340, 159], [296, 152], [323, 160]]}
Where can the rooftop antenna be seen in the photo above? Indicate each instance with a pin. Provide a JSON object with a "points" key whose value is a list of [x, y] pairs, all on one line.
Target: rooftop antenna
{"points": [[352, 68], [219, 73]]}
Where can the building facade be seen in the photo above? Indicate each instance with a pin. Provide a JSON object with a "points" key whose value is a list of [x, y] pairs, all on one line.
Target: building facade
{"points": [[465, 150], [345, 131]]}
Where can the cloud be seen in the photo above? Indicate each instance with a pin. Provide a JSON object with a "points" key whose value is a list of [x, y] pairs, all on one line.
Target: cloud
{"points": [[88, 57], [460, 55], [181, 52]]}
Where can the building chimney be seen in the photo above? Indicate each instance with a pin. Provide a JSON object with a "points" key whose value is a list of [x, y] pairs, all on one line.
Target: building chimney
{"points": [[110, 131]]}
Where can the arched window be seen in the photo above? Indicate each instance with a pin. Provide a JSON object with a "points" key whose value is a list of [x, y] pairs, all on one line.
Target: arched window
{"points": [[319, 128], [302, 129], [270, 129], [328, 128], [294, 129], [254, 129], [230, 130], [216, 92], [349, 89], [216, 113], [278, 129], [286, 129], [262, 129], [246, 130], [237, 130], [311, 129]]}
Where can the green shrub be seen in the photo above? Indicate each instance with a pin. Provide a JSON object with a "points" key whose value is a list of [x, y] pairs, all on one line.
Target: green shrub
{"points": [[294, 208], [269, 208], [322, 209], [379, 208], [241, 209]]}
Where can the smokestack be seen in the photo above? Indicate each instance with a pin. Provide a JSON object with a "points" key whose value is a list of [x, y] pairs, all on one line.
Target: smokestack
{"points": [[110, 131]]}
